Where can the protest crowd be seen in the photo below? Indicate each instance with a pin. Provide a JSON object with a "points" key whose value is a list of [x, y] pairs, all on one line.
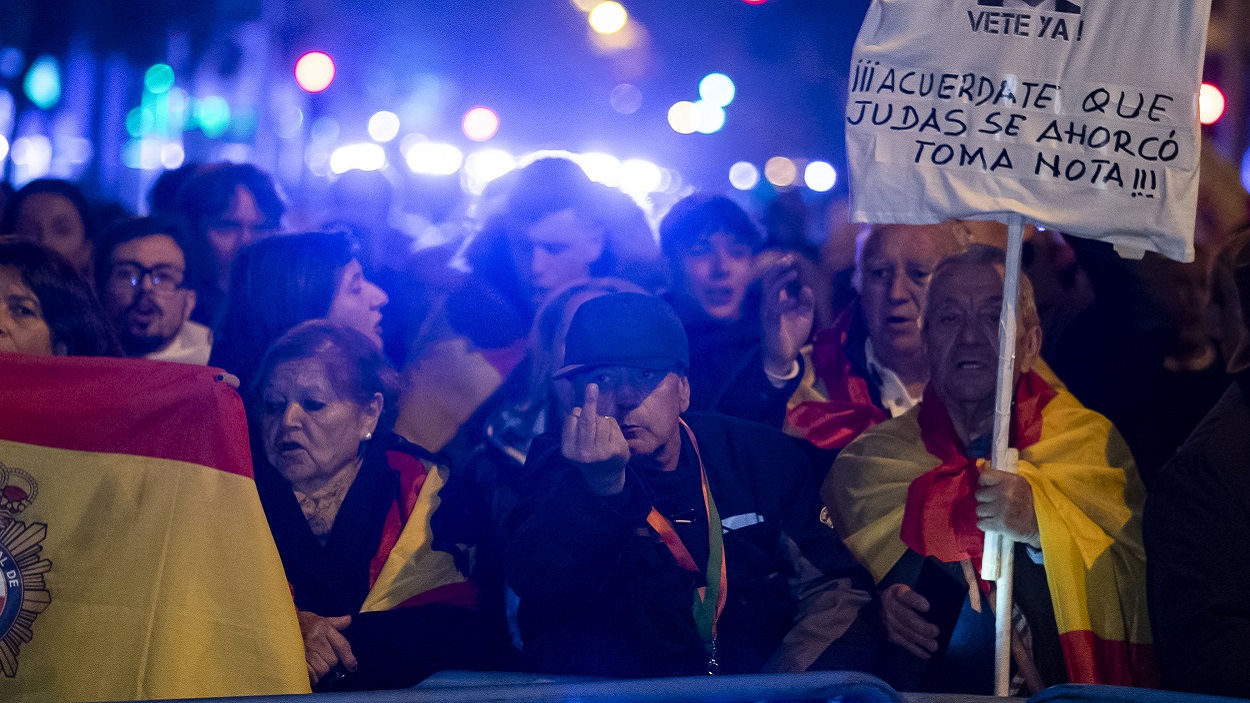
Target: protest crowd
{"points": [[629, 449]]}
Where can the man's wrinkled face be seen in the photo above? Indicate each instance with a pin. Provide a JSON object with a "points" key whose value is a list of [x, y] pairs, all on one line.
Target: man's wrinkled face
{"points": [[961, 333], [646, 404], [896, 264], [144, 296]]}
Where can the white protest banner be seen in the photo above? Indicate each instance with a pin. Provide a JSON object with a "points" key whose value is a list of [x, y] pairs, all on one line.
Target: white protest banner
{"points": [[1080, 115]]}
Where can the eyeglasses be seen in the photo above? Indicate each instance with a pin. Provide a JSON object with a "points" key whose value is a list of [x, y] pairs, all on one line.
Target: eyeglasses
{"points": [[164, 279]]}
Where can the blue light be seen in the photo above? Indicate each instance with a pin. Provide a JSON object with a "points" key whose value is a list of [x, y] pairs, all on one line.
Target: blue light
{"points": [[159, 79], [717, 89], [43, 82], [213, 114], [11, 61], [1245, 170]]}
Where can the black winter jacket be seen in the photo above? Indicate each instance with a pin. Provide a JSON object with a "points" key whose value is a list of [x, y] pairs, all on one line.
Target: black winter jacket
{"points": [[602, 595]]}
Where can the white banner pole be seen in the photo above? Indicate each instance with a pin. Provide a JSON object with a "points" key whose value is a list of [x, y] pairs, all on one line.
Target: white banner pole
{"points": [[997, 559]]}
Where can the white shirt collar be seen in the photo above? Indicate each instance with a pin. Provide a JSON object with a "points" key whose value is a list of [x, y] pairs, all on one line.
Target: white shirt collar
{"points": [[192, 345], [894, 395]]}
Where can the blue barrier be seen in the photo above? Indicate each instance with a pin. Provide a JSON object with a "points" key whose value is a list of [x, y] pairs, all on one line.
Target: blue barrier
{"points": [[466, 687], [1086, 693]]}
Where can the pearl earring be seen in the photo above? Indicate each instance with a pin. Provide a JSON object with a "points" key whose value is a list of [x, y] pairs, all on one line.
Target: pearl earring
{"points": [[368, 436]]}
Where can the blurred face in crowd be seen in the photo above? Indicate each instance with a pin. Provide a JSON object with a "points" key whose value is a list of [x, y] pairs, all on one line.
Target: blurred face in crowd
{"points": [[358, 303], [961, 335], [312, 432], [556, 251], [1226, 307], [895, 266], [1186, 298], [53, 221], [717, 270], [22, 325], [241, 224], [144, 296], [646, 404]]}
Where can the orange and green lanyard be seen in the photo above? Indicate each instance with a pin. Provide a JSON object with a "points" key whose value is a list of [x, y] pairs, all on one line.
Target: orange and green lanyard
{"points": [[709, 600]]}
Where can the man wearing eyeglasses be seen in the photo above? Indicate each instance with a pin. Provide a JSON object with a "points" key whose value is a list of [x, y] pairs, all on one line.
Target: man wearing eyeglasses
{"points": [[141, 269]]}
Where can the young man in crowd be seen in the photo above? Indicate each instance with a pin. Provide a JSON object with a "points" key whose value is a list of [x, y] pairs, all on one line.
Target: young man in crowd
{"points": [[659, 544], [142, 269], [913, 495], [745, 316], [227, 206]]}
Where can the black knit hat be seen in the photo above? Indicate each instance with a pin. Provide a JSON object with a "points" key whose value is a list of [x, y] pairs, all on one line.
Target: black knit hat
{"points": [[626, 329]]}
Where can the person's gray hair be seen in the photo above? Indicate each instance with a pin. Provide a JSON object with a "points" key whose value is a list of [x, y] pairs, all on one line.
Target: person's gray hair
{"points": [[986, 255], [952, 228]]}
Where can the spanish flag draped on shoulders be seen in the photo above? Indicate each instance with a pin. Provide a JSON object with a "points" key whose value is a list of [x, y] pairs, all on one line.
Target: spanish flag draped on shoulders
{"points": [[834, 401], [391, 563], [906, 485], [135, 556]]}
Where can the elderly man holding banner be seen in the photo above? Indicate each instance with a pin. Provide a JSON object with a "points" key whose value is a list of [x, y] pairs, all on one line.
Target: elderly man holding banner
{"points": [[913, 495], [1001, 132]]}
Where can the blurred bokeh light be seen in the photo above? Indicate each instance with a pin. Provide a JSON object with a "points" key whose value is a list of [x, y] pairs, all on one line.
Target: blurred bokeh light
{"points": [[480, 124], [314, 72], [608, 17], [781, 171], [717, 89], [743, 175], [383, 126], [1211, 104], [820, 176]]}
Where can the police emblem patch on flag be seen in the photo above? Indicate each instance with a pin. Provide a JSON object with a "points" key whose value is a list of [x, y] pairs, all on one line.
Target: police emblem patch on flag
{"points": [[23, 592]]}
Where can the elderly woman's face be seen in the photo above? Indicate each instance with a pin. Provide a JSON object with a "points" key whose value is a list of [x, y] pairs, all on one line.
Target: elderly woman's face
{"points": [[23, 328], [311, 432]]}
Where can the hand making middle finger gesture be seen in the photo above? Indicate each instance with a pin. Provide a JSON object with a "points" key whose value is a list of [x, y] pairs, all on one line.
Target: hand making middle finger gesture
{"points": [[595, 444]]}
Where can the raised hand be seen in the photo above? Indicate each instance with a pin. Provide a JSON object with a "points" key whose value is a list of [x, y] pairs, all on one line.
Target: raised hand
{"points": [[595, 444], [786, 314]]}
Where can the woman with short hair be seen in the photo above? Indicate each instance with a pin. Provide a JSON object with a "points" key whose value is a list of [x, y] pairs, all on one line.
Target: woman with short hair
{"points": [[379, 585]]}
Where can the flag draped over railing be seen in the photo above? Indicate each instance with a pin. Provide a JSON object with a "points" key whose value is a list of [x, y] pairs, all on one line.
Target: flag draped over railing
{"points": [[136, 559]]}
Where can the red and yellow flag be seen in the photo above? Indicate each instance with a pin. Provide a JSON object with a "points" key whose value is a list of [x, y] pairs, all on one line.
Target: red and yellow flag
{"points": [[831, 405], [1088, 500], [136, 559], [407, 570]]}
